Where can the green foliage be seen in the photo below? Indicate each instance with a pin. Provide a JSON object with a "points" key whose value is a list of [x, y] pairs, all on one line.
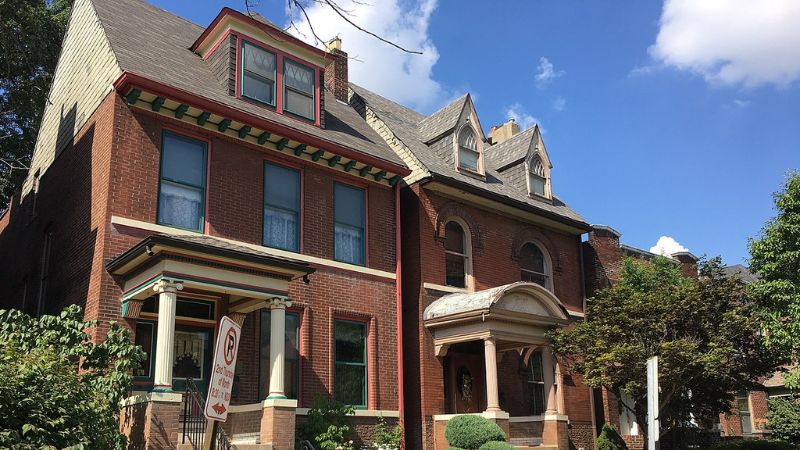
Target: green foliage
{"points": [[609, 439], [45, 401], [775, 257], [783, 418], [30, 41], [326, 425], [470, 432], [497, 445], [386, 437], [752, 444], [701, 330]]}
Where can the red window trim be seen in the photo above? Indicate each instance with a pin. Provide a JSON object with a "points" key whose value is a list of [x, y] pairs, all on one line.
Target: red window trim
{"points": [[367, 320], [359, 184], [301, 168]]}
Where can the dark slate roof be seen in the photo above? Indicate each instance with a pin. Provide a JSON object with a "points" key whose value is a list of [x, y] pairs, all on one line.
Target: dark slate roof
{"points": [[437, 159], [743, 272], [509, 151], [154, 43], [442, 120]]}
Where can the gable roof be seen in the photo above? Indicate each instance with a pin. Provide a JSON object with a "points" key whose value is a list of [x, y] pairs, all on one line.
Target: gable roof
{"points": [[437, 160], [153, 43], [511, 150], [442, 120]]}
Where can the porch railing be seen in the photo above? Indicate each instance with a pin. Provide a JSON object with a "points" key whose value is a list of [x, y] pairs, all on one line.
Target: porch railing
{"points": [[195, 422]]}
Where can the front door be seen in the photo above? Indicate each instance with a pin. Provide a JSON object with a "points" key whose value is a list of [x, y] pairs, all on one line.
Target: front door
{"points": [[466, 380]]}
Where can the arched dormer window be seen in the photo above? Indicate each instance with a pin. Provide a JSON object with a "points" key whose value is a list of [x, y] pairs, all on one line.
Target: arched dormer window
{"points": [[469, 155], [534, 265], [537, 177], [457, 255]]}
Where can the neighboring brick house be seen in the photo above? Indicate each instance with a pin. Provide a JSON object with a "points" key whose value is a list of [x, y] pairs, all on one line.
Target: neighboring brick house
{"points": [[184, 173], [491, 261]]}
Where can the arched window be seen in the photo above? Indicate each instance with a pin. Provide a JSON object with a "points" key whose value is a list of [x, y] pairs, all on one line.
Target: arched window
{"points": [[536, 400], [536, 177], [468, 154], [534, 265], [456, 255]]}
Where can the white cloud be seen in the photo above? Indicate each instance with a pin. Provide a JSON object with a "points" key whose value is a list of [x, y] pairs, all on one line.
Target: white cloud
{"points": [[403, 77], [559, 103], [521, 117], [741, 103], [546, 72], [731, 42], [667, 246]]}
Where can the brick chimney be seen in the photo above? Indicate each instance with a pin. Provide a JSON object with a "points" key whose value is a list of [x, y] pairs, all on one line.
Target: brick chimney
{"points": [[602, 258], [688, 263], [504, 132], [336, 70]]}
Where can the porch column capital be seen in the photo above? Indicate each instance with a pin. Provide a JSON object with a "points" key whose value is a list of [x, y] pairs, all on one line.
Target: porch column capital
{"points": [[279, 303], [164, 285]]}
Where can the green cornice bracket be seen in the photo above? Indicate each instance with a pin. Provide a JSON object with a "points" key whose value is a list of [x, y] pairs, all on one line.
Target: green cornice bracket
{"points": [[281, 144], [244, 131], [394, 180], [364, 171], [203, 118], [317, 155], [379, 176], [181, 110], [299, 149], [158, 103], [223, 125], [334, 160], [349, 166], [132, 96], [263, 137]]}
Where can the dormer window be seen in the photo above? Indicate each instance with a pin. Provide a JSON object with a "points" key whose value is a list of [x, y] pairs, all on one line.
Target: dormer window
{"points": [[468, 154], [258, 74], [537, 181], [298, 91]]}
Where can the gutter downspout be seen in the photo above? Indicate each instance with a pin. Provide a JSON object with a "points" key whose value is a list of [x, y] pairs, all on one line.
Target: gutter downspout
{"points": [[399, 312]]}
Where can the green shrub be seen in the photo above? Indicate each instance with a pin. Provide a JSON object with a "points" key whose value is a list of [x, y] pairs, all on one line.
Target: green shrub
{"points": [[609, 439], [470, 432], [783, 419], [326, 426], [386, 437], [497, 445], [752, 444]]}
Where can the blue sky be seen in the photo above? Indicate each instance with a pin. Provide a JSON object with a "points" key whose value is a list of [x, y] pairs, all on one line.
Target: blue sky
{"points": [[660, 119]]}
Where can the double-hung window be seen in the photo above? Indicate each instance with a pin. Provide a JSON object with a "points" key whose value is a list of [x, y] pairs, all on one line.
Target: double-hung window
{"points": [[182, 187], [258, 73], [468, 154], [281, 207], [536, 177], [350, 362], [298, 89], [533, 265], [349, 224], [536, 384], [291, 355], [455, 249]]}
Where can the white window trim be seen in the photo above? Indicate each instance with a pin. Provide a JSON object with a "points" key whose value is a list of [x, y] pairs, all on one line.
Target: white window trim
{"points": [[548, 194], [478, 145], [548, 263], [467, 255]]}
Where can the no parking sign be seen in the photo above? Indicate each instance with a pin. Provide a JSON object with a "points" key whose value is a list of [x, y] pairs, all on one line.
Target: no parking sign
{"points": [[223, 368]]}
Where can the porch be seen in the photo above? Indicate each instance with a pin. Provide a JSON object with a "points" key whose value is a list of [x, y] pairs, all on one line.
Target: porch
{"points": [[482, 335]]}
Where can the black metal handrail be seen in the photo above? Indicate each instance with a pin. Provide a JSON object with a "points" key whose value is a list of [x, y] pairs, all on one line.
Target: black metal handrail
{"points": [[195, 422]]}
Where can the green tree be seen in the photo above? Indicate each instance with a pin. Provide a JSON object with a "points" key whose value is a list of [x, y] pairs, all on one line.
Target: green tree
{"points": [[783, 418], [57, 388], [775, 257], [701, 330], [30, 41]]}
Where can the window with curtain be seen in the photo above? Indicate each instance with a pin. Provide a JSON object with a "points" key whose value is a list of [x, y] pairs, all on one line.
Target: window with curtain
{"points": [[349, 224], [350, 362], [291, 355], [181, 197], [456, 254], [468, 154], [536, 399], [281, 207], [533, 265], [298, 89], [258, 73], [536, 177]]}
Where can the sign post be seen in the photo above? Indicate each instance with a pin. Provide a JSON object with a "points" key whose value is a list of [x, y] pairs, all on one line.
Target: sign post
{"points": [[219, 388], [653, 428]]}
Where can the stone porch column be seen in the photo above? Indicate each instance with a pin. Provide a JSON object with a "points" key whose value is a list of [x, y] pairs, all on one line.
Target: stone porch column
{"points": [[492, 391], [165, 334], [277, 343], [555, 432], [548, 371]]}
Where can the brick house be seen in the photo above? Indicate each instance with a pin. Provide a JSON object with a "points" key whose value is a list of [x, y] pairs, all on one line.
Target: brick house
{"points": [[491, 262], [184, 173]]}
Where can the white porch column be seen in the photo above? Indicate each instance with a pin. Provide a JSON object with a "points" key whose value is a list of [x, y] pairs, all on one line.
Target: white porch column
{"points": [[165, 334], [549, 385], [492, 392], [277, 344]]}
